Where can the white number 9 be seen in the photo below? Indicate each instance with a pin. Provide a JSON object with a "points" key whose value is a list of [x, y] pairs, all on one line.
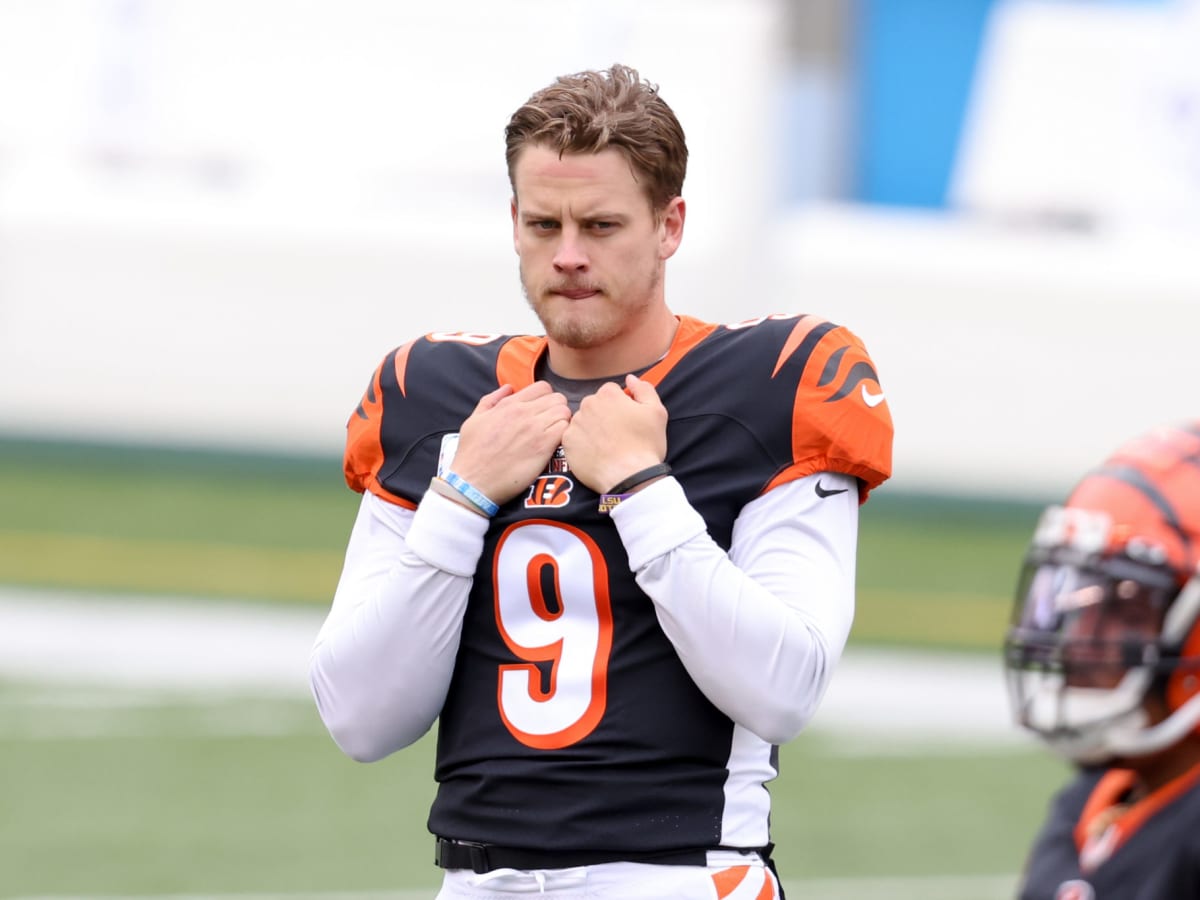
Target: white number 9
{"points": [[571, 630]]}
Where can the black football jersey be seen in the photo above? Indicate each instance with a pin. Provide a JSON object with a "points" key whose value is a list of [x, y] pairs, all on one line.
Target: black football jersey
{"points": [[570, 721], [1150, 852]]}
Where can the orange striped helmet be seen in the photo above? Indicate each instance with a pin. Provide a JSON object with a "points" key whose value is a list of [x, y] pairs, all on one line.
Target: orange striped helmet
{"points": [[1108, 605]]}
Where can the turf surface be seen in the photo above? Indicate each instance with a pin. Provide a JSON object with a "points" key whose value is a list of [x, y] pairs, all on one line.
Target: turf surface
{"points": [[932, 571], [130, 793]]}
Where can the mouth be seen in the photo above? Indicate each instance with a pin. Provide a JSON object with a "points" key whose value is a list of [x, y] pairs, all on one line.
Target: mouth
{"points": [[581, 293]]}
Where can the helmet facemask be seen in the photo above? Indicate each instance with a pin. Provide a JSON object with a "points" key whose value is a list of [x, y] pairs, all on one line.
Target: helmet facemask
{"points": [[1095, 632]]}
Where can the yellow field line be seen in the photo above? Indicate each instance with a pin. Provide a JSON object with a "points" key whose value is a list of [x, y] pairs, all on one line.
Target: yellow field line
{"points": [[154, 564]]}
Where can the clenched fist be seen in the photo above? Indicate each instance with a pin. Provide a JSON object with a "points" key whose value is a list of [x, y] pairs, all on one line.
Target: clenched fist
{"points": [[509, 438], [616, 433]]}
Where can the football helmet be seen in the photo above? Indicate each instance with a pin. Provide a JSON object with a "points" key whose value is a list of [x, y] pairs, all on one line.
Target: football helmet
{"points": [[1108, 604]]}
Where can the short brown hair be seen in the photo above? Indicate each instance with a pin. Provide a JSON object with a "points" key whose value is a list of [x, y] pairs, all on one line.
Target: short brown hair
{"points": [[594, 110]]}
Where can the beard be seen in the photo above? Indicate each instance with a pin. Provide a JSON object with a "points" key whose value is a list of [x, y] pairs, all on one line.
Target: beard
{"points": [[572, 328], [581, 325]]}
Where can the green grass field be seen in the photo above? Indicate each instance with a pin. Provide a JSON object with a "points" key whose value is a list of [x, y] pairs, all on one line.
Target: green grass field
{"points": [[112, 795], [110, 792], [933, 571]]}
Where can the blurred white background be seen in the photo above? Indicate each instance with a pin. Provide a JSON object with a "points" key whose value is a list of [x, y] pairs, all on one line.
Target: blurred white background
{"points": [[217, 216]]}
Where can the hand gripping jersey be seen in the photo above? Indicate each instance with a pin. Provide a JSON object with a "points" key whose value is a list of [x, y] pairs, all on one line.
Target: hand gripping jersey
{"points": [[1151, 851], [570, 721]]}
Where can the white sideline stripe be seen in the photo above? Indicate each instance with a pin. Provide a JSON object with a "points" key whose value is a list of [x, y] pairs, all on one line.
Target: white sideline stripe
{"points": [[48, 712], [938, 887], [64, 637], [180, 647]]}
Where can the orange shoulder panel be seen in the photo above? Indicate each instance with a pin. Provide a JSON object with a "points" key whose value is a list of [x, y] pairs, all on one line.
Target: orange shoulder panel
{"points": [[690, 333], [803, 327], [517, 359], [840, 416], [364, 446]]}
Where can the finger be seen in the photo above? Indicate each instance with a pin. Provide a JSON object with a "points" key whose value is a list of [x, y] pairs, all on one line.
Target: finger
{"points": [[534, 391], [609, 390], [487, 401], [641, 391], [556, 417]]}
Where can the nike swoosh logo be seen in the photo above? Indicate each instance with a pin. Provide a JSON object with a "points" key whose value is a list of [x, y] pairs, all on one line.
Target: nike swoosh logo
{"points": [[871, 399], [825, 492]]}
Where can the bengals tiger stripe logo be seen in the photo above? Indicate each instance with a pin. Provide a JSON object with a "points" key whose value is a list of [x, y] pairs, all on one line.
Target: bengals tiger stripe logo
{"points": [[549, 490]]}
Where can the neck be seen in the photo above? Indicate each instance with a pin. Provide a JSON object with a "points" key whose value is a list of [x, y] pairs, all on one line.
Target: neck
{"points": [[644, 344], [1155, 771]]}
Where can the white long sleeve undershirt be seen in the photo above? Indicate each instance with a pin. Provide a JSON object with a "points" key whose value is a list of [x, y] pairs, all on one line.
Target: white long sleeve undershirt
{"points": [[760, 629]]}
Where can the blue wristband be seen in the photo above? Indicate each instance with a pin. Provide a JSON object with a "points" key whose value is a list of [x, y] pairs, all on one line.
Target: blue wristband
{"points": [[478, 500]]}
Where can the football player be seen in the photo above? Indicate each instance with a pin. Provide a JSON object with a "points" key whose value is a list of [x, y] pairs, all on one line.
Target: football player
{"points": [[1103, 664], [614, 562]]}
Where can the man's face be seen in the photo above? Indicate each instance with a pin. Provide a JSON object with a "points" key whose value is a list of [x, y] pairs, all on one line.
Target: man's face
{"points": [[1103, 625], [592, 251]]}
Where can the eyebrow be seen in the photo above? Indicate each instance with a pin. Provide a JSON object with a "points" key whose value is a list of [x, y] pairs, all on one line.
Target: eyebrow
{"points": [[532, 215]]}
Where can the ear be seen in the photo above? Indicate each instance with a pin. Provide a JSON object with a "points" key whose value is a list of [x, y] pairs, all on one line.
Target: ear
{"points": [[670, 227], [516, 239]]}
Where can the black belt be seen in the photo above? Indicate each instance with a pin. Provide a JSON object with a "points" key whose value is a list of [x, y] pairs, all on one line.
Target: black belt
{"points": [[482, 858]]}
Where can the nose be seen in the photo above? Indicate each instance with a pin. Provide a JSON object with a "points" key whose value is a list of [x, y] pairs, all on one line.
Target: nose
{"points": [[570, 256]]}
